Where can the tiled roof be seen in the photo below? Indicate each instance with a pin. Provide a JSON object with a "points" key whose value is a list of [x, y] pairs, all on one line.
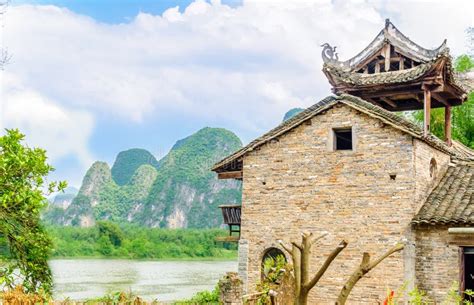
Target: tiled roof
{"points": [[342, 75], [361, 105], [452, 201], [396, 38]]}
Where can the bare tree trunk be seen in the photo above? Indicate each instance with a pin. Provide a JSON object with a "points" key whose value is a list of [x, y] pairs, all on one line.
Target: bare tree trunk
{"points": [[365, 266], [300, 254]]}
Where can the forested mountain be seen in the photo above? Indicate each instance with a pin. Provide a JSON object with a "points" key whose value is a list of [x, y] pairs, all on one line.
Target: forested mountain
{"points": [[127, 162], [179, 191]]}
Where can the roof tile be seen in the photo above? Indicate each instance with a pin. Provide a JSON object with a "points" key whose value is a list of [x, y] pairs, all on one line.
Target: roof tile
{"points": [[452, 201]]}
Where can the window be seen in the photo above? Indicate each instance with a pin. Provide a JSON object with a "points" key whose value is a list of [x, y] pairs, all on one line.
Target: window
{"points": [[343, 139]]}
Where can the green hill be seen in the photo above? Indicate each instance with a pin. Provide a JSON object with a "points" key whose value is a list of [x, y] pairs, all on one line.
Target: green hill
{"points": [[181, 192], [127, 162]]}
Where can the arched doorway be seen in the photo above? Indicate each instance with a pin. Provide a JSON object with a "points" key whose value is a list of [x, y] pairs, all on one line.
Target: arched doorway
{"points": [[277, 257]]}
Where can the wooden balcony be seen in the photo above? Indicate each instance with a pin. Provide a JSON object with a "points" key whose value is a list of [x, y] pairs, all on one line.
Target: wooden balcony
{"points": [[231, 215]]}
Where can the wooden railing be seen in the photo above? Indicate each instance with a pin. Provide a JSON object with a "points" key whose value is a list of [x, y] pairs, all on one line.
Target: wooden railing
{"points": [[231, 215]]}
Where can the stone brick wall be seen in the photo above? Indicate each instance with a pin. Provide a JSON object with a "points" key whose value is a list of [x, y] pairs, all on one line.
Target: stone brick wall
{"points": [[437, 262], [299, 183], [230, 288], [424, 181]]}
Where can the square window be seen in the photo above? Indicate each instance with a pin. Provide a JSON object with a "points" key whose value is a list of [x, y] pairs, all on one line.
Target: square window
{"points": [[343, 139]]}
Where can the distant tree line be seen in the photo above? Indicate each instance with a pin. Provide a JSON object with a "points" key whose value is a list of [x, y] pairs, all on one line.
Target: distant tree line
{"points": [[108, 239]]}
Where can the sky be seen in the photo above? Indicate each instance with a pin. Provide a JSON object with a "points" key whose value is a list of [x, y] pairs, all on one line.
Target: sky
{"points": [[88, 79]]}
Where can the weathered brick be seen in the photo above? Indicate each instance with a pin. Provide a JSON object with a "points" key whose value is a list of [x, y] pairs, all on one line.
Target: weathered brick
{"points": [[298, 183]]}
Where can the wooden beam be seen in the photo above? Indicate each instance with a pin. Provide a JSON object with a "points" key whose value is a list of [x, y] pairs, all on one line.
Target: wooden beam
{"points": [[230, 175], [368, 99], [377, 68], [388, 101], [439, 98], [427, 112], [402, 63], [447, 125]]}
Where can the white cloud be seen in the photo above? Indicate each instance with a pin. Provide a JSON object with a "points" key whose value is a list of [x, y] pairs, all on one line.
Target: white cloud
{"points": [[62, 132], [239, 67]]}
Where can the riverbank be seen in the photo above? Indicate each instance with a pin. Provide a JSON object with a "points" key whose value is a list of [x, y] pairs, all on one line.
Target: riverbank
{"points": [[110, 240]]}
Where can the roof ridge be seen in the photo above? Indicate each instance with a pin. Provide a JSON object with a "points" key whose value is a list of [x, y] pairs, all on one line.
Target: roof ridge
{"points": [[355, 102], [280, 129]]}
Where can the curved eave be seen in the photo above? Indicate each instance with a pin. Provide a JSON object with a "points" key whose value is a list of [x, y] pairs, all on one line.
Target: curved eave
{"points": [[442, 222], [339, 76], [393, 36]]}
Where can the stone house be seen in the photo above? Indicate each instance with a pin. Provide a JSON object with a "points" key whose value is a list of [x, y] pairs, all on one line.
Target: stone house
{"points": [[352, 166]]}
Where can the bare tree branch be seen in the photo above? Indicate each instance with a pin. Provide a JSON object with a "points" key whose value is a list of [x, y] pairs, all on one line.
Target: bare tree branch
{"points": [[342, 245], [364, 267]]}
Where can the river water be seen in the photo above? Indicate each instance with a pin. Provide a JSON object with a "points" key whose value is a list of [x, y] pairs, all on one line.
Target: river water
{"points": [[81, 279]]}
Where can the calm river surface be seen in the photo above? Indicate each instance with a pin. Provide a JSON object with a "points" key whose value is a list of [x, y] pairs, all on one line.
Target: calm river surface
{"points": [[81, 279]]}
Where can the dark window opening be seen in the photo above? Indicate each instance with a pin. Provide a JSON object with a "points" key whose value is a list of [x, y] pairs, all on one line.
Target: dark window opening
{"points": [[371, 68], [468, 269], [395, 66], [343, 139]]}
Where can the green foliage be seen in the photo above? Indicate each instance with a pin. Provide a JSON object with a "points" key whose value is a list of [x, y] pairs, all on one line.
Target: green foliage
{"points": [[111, 231], [418, 297], [202, 297], [464, 63], [274, 268], [22, 180], [462, 116], [127, 162], [291, 113], [108, 239], [275, 272]]}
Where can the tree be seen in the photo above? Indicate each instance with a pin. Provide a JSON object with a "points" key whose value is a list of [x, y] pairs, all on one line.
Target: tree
{"points": [[22, 197], [300, 255], [303, 283], [111, 231]]}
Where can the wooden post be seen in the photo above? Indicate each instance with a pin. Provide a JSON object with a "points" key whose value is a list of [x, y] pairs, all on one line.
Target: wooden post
{"points": [[386, 55], [447, 125], [377, 67], [427, 112]]}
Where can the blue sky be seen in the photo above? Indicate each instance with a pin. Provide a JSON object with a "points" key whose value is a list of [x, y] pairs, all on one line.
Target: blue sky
{"points": [[118, 11], [91, 78]]}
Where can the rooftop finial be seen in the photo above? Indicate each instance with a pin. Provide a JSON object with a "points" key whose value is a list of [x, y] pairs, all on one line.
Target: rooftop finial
{"points": [[387, 22], [329, 53]]}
